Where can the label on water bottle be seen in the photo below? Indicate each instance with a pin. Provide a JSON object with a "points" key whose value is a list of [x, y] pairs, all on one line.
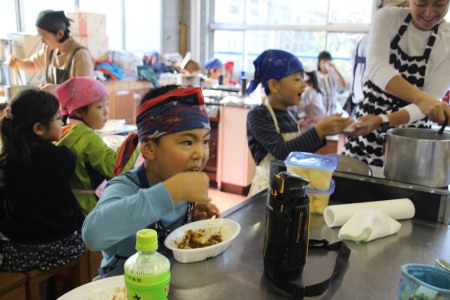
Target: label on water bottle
{"points": [[142, 285]]}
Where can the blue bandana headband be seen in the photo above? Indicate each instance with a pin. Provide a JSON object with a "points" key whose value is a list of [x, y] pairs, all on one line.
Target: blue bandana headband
{"points": [[177, 110], [273, 64]]}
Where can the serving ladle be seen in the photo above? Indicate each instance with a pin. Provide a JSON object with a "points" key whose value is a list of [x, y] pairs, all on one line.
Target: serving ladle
{"points": [[441, 130]]}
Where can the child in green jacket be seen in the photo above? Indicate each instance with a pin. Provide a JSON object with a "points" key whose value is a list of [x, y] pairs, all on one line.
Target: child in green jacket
{"points": [[84, 101]]}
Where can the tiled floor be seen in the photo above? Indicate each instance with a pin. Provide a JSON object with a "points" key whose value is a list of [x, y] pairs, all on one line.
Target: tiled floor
{"points": [[224, 200]]}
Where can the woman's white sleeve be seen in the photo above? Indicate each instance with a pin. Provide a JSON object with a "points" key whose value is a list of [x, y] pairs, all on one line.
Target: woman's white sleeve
{"points": [[384, 26]]}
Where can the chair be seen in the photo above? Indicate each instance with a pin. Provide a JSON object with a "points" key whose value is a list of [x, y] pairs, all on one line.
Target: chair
{"points": [[13, 286], [95, 259], [78, 268]]}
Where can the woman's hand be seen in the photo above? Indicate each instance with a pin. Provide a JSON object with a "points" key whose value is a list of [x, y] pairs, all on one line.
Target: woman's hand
{"points": [[13, 61], [205, 211], [332, 125], [367, 124], [434, 110]]}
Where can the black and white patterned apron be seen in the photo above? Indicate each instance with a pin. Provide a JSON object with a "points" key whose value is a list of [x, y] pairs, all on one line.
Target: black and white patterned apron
{"points": [[369, 148]]}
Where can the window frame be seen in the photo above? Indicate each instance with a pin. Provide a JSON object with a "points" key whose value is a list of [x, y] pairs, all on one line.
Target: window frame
{"points": [[243, 27]]}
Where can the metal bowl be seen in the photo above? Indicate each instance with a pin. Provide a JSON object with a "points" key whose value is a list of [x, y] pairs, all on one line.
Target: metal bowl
{"points": [[12, 91]]}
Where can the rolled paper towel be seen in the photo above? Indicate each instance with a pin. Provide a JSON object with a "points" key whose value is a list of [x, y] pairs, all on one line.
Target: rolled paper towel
{"points": [[398, 209]]}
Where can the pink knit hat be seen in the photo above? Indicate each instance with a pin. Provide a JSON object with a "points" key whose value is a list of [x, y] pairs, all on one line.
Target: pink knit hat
{"points": [[78, 92]]}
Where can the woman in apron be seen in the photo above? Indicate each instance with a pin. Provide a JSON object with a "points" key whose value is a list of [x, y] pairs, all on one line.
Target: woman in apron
{"points": [[410, 64], [273, 129], [61, 57]]}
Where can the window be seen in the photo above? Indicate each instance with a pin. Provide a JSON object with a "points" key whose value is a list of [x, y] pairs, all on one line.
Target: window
{"points": [[8, 17], [142, 30], [32, 8], [241, 30], [137, 20]]}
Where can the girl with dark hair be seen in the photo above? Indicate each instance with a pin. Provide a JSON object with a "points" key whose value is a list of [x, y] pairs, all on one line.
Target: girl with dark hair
{"points": [[330, 80], [311, 109], [61, 56], [40, 219]]}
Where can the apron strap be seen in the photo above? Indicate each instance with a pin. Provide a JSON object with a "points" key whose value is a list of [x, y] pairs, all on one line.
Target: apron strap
{"points": [[274, 118], [54, 76]]}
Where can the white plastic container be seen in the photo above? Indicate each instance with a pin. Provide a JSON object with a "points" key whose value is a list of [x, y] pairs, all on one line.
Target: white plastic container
{"points": [[229, 230], [318, 199], [315, 168]]}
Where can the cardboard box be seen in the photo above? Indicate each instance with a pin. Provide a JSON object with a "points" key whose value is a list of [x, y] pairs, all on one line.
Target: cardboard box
{"points": [[25, 45], [97, 44], [87, 23]]}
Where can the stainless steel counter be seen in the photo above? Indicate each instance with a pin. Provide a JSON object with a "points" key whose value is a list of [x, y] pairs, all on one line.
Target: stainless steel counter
{"points": [[373, 271], [431, 204]]}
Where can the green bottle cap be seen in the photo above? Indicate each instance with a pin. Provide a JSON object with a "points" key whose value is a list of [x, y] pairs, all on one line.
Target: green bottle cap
{"points": [[146, 240]]}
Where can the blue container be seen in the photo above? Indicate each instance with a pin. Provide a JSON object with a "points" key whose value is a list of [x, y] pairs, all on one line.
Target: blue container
{"points": [[420, 281]]}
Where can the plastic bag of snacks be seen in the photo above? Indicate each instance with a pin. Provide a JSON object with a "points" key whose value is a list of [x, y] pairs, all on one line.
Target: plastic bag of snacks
{"points": [[424, 282]]}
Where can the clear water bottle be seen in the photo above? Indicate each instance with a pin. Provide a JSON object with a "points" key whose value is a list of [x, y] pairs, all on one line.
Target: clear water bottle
{"points": [[147, 273]]}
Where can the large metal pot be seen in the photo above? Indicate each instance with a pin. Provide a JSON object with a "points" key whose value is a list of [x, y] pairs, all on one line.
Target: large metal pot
{"points": [[12, 91], [417, 156]]}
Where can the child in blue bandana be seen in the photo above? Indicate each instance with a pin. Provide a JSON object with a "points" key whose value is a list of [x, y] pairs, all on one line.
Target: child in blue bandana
{"points": [[169, 189], [273, 129], [214, 68]]}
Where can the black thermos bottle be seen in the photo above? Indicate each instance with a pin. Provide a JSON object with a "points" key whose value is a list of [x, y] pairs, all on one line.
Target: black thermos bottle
{"points": [[287, 226]]}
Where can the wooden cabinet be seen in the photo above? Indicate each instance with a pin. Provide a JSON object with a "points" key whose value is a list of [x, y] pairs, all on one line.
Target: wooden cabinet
{"points": [[211, 165], [13, 286], [235, 165], [124, 98]]}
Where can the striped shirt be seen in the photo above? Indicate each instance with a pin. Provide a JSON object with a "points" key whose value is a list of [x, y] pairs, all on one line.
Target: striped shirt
{"points": [[263, 137]]}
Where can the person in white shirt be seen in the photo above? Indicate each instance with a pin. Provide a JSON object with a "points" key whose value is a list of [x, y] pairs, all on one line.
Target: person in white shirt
{"points": [[330, 80], [310, 109], [408, 61]]}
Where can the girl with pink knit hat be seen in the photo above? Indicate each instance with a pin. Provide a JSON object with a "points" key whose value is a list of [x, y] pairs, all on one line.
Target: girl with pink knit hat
{"points": [[84, 103]]}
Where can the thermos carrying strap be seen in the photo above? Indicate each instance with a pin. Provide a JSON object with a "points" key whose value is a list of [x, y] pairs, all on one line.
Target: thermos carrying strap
{"points": [[300, 291]]}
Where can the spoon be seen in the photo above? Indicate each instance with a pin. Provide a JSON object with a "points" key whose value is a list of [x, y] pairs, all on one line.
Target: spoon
{"points": [[441, 130], [16, 67]]}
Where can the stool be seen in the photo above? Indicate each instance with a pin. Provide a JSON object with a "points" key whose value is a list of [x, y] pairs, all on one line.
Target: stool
{"points": [[13, 286], [79, 270], [95, 259]]}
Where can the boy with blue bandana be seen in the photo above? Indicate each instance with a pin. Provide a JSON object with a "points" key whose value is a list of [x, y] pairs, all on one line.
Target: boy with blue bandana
{"points": [[273, 129], [168, 189]]}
